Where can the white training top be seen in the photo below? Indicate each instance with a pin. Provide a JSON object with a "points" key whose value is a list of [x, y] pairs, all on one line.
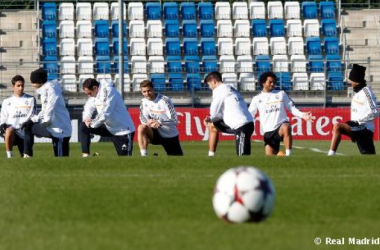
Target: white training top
{"points": [[111, 110], [271, 106], [228, 105], [364, 108], [17, 110], [53, 110], [162, 110]]}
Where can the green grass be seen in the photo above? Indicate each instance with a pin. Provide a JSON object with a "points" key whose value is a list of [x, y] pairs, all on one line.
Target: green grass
{"points": [[162, 202]]}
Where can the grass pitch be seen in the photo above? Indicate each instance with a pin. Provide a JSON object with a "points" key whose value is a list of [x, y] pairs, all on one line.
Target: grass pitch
{"points": [[161, 202]]}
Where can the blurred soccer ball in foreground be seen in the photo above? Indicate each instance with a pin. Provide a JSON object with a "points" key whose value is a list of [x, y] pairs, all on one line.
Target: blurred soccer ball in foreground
{"points": [[243, 194]]}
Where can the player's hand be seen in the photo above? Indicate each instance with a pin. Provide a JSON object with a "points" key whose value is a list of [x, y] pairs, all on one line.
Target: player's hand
{"points": [[308, 116], [27, 126], [207, 120], [155, 124], [3, 127]]}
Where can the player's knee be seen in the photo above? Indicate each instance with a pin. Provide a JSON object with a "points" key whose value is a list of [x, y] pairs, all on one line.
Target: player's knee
{"points": [[142, 128], [337, 127], [212, 128]]}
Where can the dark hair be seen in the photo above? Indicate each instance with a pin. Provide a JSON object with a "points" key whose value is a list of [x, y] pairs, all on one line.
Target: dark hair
{"points": [[215, 75], [89, 83], [17, 78], [264, 76], [146, 83]]}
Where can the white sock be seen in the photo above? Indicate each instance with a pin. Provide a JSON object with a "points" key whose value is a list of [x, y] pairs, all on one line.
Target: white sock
{"points": [[210, 153], [85, 155], [331, 152], [9, 154], [144, 152], [288, 152]]}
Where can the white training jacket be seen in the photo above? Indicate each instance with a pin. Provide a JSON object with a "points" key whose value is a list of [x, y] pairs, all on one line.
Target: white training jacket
{"points": [[364, 108], [162, 110], [271, 106], [53, 110], [228, 105], [16, 110], [111, 110]]}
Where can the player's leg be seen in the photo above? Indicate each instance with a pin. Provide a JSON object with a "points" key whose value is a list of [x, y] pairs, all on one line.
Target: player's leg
{"points": [[172, 146], [364, 142], [286, 134], [339, 129], [123, 144], [144, 136], [9, 137], [243, 139], [61, 146], [37, 129], [85, 136], [272, 141], [213, 139], [20, 144]]}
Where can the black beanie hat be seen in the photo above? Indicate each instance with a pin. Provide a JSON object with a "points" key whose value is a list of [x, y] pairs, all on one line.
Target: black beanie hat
{"points": [[38, 76], [357, 73]]}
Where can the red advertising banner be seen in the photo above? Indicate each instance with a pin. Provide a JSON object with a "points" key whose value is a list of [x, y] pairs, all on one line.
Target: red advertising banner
{"points": [[192, 129]]}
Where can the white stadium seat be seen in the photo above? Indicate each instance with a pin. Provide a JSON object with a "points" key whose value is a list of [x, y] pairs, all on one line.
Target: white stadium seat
{"points": [[292, 10], [294, 28], [127, 82], [295, 46], [66, 29], [66, 11], [227, 64], [257, 10], [275, 10], [156, 64], [69, 83], [135, 11], [280, 63], [224, 28], [154, 28], [239, 10], [138, 47], [278, 46], [100, 77], [84, 29], [241, 28], [300, 81], [84, 47], [83, 11], [242, 46], [85, 65], [225, 46], [222, 11], [67, 47], [260, 46], [244, 63], [115, 11], [136, 28], [136, 80], [298, 63], [155, 47], [317, 81], [230, 79], [311, 27], [139, 64], [247, 82], [100, 11], [68, 65]]}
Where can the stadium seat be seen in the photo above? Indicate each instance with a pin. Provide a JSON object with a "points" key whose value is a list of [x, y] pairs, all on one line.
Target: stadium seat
{"points": [[295, 46], [280, 63], [331, 45], [278, 46], [155, 47], [66, 29], [153, 11], [154, 28], [240, 10], [172, 28], [49, 47], [156, 64], [315, 63], [135, 11], [173, 47], [275, 10], [262, 63], [137, 47], [115, 28], [283, 81], [136, 80], [276, 28], [333, 63], [66, 11], [100, 11], [190, 46], [205, 11], [207, 28], [328, 27], [227, 64], [309, 10], [257, 10], [170, 11], [294, 28], [103, 64], [175, 82], [50, 64], [189, 28], [102, 47], [114, 9], [174, 64], [85, 65], [105, 76], [224, 28], [326, 10], [188, 10], [139, 64], [247, 82], [259, 28], [127, 82], [209, 64], [67, 47], [298, 63], [136, 28], [208, 46], [83, 11], [313, 46], [311, 27], [225, 46], [101, 28], [292, 10], [242, 46], [116, 64], [69, 83], [67, 65], [300, 81], [82, 78], [317, 81], [230, 79], [260, 46], [244, 64], [192, 64], [222, 11], [84, 47], [335, 81], [84, 29], [49, 29], [194, 82], [241, 28], [115, 45], [49, 11], [158, 81]]}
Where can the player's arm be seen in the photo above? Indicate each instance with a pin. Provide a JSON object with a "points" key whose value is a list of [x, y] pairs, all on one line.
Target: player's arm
{"points": [[373, 112], [215, 109], [50, 104], [289, 104], [88, 111], [144, 115], [170, 113], [253, 107], [4, 113], [109, 107]]}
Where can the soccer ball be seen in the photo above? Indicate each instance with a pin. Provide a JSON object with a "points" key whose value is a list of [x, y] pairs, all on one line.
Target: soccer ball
{"points": [[243, 194]]}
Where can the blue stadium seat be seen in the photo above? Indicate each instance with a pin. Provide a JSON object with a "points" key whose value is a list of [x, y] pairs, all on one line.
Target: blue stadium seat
{"points": [[333, 63], [49, 47], [328, 27], [170, 10], [102, 47], [276, 28], [205, 11], [49, 29], [259, 28], [153, 11], [50, 64], [175, 82], [313, 46], [331, 45], [188, 11], [207, 28], [262, 63], [174, 64], [309, 10], [172, 28], [209, 64], [194, 82], [316, 63], [101, 28], [116, 64], [335, 81], [326, 10], [192, 64], [208, 46], [158, 81], [115, 45], [284, 81], [103, 64], [190, 46], [189, 28], [173, 47], [49, 11], [115, 28]]}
